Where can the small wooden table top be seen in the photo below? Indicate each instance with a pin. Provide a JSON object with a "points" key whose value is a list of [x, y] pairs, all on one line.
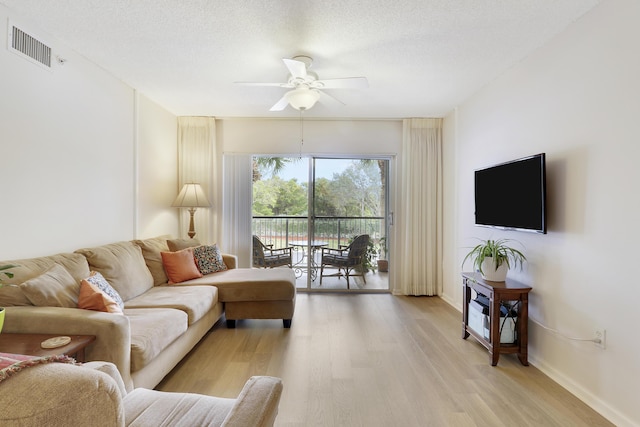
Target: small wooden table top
{"points": [[29, 344]]}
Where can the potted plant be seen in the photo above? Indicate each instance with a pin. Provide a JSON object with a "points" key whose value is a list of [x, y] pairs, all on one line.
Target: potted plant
{"points": [[369, 257], [383, 263], [493, 258], [8, 274]]}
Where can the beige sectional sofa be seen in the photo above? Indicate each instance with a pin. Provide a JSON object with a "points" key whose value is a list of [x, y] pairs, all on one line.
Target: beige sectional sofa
{"points": [[161, 322]]}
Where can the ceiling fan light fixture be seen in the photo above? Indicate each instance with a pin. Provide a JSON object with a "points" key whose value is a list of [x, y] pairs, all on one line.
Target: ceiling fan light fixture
{"points": [[302, 98]]}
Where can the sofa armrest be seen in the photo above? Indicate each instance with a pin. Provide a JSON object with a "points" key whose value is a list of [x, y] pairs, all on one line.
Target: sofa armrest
{"points": [[112, 331], [257, 403], [231, 261]]}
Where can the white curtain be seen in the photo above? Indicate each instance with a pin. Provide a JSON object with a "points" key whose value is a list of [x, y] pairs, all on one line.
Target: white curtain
{"points": [[236, 213], [197, 163], [418, 247]]}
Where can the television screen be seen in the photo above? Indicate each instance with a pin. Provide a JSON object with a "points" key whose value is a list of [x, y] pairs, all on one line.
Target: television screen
{"points": [[512, 195]]}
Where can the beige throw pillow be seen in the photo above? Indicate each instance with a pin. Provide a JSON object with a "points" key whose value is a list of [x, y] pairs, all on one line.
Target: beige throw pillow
{"points": [[151, 249], [123, 266], [176, 245], [53, 288]]}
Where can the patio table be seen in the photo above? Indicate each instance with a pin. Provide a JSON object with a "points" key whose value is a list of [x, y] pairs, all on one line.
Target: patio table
{"points": [[307, 247]]}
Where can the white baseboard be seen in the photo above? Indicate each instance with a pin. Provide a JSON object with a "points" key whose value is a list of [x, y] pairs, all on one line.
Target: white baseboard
{"points": [[598, 405], [588, 398]]}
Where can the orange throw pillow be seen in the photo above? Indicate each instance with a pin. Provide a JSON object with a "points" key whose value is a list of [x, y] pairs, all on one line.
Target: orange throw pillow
{"points": [[180, 265], [92, 298]]}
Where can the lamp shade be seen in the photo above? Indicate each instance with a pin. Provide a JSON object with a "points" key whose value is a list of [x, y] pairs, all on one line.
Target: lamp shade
{"points": [[302, 98], [191, 196]]}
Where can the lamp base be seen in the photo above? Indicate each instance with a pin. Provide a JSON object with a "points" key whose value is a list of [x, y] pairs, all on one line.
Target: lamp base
{"points": [[192, 231]]}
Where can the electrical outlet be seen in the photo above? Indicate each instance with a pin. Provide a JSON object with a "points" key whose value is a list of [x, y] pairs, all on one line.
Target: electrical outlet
{"points": [[601, 338]]}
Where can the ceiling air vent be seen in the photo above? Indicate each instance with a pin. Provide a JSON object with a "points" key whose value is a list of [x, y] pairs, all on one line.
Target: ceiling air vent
{"points": [[29, 47]]}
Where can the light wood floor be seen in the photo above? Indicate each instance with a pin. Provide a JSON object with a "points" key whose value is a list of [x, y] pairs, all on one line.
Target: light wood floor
{"points": [[377, 360], [376, 281]]}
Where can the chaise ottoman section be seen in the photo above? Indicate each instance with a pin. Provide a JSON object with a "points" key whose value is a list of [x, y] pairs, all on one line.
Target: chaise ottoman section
{"points": [[249, 293]]}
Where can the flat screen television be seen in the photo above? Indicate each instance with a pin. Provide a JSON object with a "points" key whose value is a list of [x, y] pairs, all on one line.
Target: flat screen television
{"points": [[512, 195]]}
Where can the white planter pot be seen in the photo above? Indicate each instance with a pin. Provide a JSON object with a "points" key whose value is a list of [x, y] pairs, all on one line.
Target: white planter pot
{"points": [[491, 273]]}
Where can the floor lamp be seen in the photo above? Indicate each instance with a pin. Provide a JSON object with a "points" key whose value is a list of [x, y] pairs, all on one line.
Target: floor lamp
{"points": [[191, 196]]}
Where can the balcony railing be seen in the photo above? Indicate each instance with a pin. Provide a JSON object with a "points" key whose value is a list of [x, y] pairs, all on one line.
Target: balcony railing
{"points": [[282, 230]]}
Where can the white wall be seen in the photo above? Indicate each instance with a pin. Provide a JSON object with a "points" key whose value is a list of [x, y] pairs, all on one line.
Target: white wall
{"points": [[157, 176], [68, 155], [282, 137], [452, 286], [578, 100]]}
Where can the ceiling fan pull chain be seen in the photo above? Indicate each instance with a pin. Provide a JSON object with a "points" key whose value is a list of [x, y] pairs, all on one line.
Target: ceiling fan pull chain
{"points": [[301, 132]]}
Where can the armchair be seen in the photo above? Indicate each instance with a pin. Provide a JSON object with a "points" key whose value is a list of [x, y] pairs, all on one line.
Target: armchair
{"points": [[58, 394], [266, 257], [350, 258]]}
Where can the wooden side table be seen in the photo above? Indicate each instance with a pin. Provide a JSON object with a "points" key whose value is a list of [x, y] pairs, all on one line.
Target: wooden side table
{"points": [[498, 292], [29, 344]]}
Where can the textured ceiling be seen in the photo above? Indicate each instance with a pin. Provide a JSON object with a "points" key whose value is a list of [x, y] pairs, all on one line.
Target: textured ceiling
{"points": [[422, 57]]}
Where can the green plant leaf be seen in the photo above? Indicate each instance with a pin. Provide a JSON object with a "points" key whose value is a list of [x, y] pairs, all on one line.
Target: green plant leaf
{"points": [[499, 250]]}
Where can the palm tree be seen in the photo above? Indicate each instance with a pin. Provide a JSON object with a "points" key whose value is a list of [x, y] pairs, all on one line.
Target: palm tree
{"points": [[269, 164]]}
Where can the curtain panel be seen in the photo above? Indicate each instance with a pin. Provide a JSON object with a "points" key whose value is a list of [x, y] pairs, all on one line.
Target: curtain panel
{"points": [[419, 225], [237, 209], [197, 164]]}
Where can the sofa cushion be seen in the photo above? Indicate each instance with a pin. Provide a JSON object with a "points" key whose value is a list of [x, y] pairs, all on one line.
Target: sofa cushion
{"points": [[27, 269], [250, 284], [209, 259], [122, 264], [93, 298], [153, 330], [180, 265], [13, 296], [151, 249], [180, 244], [53, 288], [155, 408], [196, 301]]}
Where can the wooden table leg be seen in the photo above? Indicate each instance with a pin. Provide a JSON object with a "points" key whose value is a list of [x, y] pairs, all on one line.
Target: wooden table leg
{"points": [[79, 356], [465, 310], [494, 329], [523, 329]]}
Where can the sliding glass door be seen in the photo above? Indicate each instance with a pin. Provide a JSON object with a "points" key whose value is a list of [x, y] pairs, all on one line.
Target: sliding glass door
{"points": [[318, 206]]}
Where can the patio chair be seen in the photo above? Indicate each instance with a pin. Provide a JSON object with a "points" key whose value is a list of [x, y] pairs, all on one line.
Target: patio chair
{"points": [[350, 258], [265, 256]]}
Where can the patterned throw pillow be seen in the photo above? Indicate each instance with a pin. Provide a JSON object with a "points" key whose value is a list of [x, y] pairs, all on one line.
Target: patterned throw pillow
{"points": [[209, 259], [92, 298], [97, 280]]}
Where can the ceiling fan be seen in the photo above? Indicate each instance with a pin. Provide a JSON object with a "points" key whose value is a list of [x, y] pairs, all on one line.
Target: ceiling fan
{"points": [[306, 88]]}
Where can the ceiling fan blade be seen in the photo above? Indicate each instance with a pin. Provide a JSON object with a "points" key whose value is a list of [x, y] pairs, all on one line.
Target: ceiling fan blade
{"points": [[296, 68], [263, 84], [343, 83], [329, 100], [280, 105]]}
